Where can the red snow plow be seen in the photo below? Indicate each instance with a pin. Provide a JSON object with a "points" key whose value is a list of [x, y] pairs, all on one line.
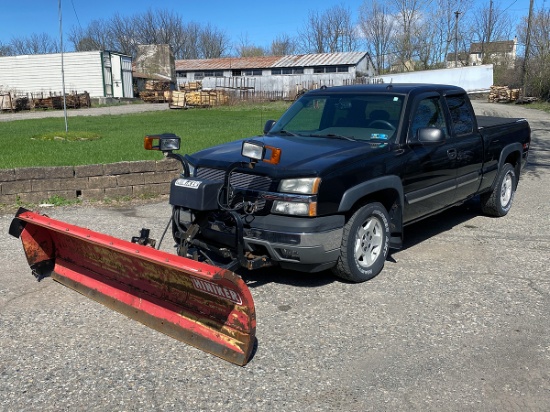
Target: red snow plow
{"points": [[203, 305], [194, 295]]}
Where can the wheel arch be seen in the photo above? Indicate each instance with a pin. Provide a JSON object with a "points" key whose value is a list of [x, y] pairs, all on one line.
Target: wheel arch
{"points": [[387, 190], [511, 154]]}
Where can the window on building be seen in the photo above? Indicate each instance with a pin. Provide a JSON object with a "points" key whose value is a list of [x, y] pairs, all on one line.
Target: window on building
{"points": [[252, 72], [331, 69], [236, 73], [288, 70], [199, 75]]}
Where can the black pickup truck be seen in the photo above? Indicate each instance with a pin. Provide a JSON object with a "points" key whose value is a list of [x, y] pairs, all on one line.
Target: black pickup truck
{"points": [[334, 181]]}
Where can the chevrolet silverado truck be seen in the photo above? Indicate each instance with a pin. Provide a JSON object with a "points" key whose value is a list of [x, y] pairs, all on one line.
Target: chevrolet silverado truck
{"points": [[334, 182]]}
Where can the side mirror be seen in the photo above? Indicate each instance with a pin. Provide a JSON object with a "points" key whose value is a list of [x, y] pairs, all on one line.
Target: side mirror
{"points": [[430, 135], [268, 126]]}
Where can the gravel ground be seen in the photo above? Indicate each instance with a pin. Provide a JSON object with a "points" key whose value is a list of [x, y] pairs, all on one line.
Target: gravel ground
{"points": [[458, 320]]}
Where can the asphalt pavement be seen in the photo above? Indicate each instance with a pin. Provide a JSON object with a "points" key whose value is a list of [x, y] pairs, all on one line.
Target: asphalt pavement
{"points": [[459, 320]]}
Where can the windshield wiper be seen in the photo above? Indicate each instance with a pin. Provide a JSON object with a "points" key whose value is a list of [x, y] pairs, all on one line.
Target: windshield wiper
{"points": [[334, 136]]}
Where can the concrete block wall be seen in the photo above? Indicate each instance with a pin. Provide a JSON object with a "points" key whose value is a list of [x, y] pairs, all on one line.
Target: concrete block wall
{"points": [[89, 182]]}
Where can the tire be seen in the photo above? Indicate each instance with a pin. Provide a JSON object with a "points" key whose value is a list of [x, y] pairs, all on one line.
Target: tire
{"points": [[365, 244], [499, 201]]}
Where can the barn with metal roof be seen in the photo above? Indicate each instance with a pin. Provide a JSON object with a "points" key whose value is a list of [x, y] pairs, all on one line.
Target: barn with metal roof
{"points": [[283, 74]]}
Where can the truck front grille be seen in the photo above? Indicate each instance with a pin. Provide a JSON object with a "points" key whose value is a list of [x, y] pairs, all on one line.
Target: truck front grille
{"points": [[238, 180], [243, 181]]}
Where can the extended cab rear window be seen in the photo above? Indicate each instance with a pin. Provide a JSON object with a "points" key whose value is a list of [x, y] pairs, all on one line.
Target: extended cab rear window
{"points": [[462, 118]]}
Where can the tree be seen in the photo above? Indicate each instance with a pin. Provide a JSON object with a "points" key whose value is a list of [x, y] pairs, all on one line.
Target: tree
{"points": [[538, 74], [246, 49], [213, 43], [5, 49], [328, 32], [283, 45], [409, 18], [377, 27], [490, 23], [41, 43]]}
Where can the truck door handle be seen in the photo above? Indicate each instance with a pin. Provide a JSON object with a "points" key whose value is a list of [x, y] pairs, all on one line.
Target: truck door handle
{"points": [[451, 154]]}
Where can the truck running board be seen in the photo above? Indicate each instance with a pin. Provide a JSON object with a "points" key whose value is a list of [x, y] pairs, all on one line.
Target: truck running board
{"points": [[200, 304]]}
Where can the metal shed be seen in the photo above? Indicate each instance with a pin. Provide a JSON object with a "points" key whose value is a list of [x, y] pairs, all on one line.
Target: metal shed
{"points": [[100, 73]]}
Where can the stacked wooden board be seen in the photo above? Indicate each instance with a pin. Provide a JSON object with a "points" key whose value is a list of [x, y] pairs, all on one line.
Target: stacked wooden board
{"points": [[191, 95], [503, 94], [43, 101]]}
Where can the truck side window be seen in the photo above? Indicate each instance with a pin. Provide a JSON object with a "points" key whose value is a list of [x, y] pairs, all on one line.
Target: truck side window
{"points": [[461, 115], [428, 114]]}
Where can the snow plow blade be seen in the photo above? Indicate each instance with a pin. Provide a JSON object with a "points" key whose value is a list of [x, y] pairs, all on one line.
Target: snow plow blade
{"points": [[200, 304]]}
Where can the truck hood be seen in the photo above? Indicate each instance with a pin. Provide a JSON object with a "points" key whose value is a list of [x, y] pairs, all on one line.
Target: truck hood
{"points": [[306, 155]]}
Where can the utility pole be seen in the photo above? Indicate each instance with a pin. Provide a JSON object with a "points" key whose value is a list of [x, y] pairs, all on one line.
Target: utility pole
{"points": [[527, 47], [62, 67], [457, 13], [489, 32]]}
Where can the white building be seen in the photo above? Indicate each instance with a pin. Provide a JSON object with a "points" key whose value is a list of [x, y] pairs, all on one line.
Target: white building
{"points": [[100, 73]]}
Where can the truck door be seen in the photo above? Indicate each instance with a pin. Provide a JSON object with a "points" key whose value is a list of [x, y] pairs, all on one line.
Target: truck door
{"points": [[468, 144], [429, 177]]}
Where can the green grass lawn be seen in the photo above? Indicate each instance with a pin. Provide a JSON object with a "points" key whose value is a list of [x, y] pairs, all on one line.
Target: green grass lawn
{"points": [[121, 137]]}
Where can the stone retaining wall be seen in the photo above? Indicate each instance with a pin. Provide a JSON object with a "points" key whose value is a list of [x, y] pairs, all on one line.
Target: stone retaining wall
{"points": [[96, 182]]}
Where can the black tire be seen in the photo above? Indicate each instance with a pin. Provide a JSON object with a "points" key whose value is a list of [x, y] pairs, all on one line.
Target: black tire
{"points": [[499, 201], [365, 244]]}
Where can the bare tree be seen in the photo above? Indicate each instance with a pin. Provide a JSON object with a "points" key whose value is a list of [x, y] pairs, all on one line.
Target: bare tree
{"points": [[490, 23], [41, 43], [94, 37], [5, 49], [246, 48], [213, 43], [377, 27], [283, 45], [328, 32], [538, 74], [409, 17]]}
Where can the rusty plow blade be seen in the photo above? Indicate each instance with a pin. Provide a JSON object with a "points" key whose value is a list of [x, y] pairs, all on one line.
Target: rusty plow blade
{"points": [[203, 305]]}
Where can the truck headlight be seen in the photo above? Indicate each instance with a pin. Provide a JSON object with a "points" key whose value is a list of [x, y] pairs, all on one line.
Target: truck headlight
{"points": [[166, 142], [305, 186], [294, 208]]}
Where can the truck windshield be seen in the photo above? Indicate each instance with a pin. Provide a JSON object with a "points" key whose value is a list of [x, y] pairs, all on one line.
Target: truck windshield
{"points": [[363, 117]]}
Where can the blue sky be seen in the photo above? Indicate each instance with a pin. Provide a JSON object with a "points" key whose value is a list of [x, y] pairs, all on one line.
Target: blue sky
{"points": [[258, 21]]}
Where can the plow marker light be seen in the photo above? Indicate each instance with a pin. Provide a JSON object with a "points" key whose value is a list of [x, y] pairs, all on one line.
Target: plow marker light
{"points": [[200, 304]]}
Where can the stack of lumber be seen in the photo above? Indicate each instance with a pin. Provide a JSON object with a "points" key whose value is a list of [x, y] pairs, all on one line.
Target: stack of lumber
{"points": [[191, 86], [6, 102], [73, 101], [178, 100], [156, 85], [204, 98], [155, 96], [503, 94], [156, 91]]}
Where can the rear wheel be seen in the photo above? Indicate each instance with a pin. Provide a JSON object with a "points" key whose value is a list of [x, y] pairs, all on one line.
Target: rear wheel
{"points": [[499, 201], [365, 244]]}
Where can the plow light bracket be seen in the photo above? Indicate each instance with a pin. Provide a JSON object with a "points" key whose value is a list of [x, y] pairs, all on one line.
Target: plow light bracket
{"points": [[256, 151], [166, 142]]}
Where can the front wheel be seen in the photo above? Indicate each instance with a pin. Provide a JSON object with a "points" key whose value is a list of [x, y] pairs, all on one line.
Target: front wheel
{"points": [[365, 244], [499, 201]]}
